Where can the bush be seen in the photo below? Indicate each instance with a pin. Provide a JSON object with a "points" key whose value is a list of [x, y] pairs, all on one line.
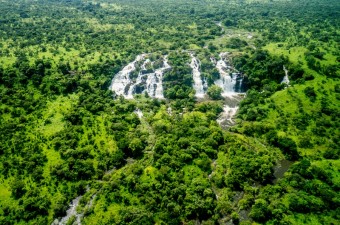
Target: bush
{"points": [[310, 93], [288, 147], [332, 153], [214, 92], [259, 211], [18, 188], [236, 43]]}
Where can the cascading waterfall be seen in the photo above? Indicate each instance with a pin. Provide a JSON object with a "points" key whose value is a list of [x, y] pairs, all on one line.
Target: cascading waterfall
{"points": [[285, 79], [232, 86], [231, 83], [139, 80], [122, 79], [152, 83], [199, 84]]}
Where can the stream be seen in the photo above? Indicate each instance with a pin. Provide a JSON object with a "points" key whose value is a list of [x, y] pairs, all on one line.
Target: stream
{"points": [[72, 211], [280, 169]]}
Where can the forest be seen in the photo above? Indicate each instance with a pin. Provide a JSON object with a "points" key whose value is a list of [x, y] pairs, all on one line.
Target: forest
{"points": [[169, 112]]}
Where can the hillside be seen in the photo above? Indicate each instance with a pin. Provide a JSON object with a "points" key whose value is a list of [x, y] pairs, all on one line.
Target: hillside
{"points": [[169, 112]]}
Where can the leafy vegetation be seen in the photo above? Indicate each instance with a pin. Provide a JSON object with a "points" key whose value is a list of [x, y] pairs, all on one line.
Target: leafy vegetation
{"points": [[63, 134]]}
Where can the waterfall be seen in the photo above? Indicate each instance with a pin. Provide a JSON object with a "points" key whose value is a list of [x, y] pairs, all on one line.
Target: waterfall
{"points": [[231, 83], [226, 118], [213, 60], [152, 83], [122, 80], [139, 80], [199, 84], [285, 79]]}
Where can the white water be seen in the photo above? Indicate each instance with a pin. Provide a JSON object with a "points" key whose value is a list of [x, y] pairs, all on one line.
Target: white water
{"points": [[285, 79], [139, 113], [139, 80], [227, 115], [231, 84], [205, 84], [152, 83], [122, 79], [169, 110], [72, 211], [220, 25], [227, 79], [199, 84], [213, 60]]}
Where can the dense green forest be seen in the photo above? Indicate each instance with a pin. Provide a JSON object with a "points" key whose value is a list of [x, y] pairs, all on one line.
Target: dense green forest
{"points": [[66, 137]]}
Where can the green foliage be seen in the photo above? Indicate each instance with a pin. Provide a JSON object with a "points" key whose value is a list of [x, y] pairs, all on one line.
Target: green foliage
{"points": [[178, 81], [63, 135], [18, 188], [310, 93], [236, 43], [214, 92], [259, 211], [288, 146], [261, 69]]}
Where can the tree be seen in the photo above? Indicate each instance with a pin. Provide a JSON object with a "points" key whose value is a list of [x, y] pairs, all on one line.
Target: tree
{"points": [[236, 43], [136, 146], [310, 93], [18, 188], [259, 212], [288, 146], [214, 92]]}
